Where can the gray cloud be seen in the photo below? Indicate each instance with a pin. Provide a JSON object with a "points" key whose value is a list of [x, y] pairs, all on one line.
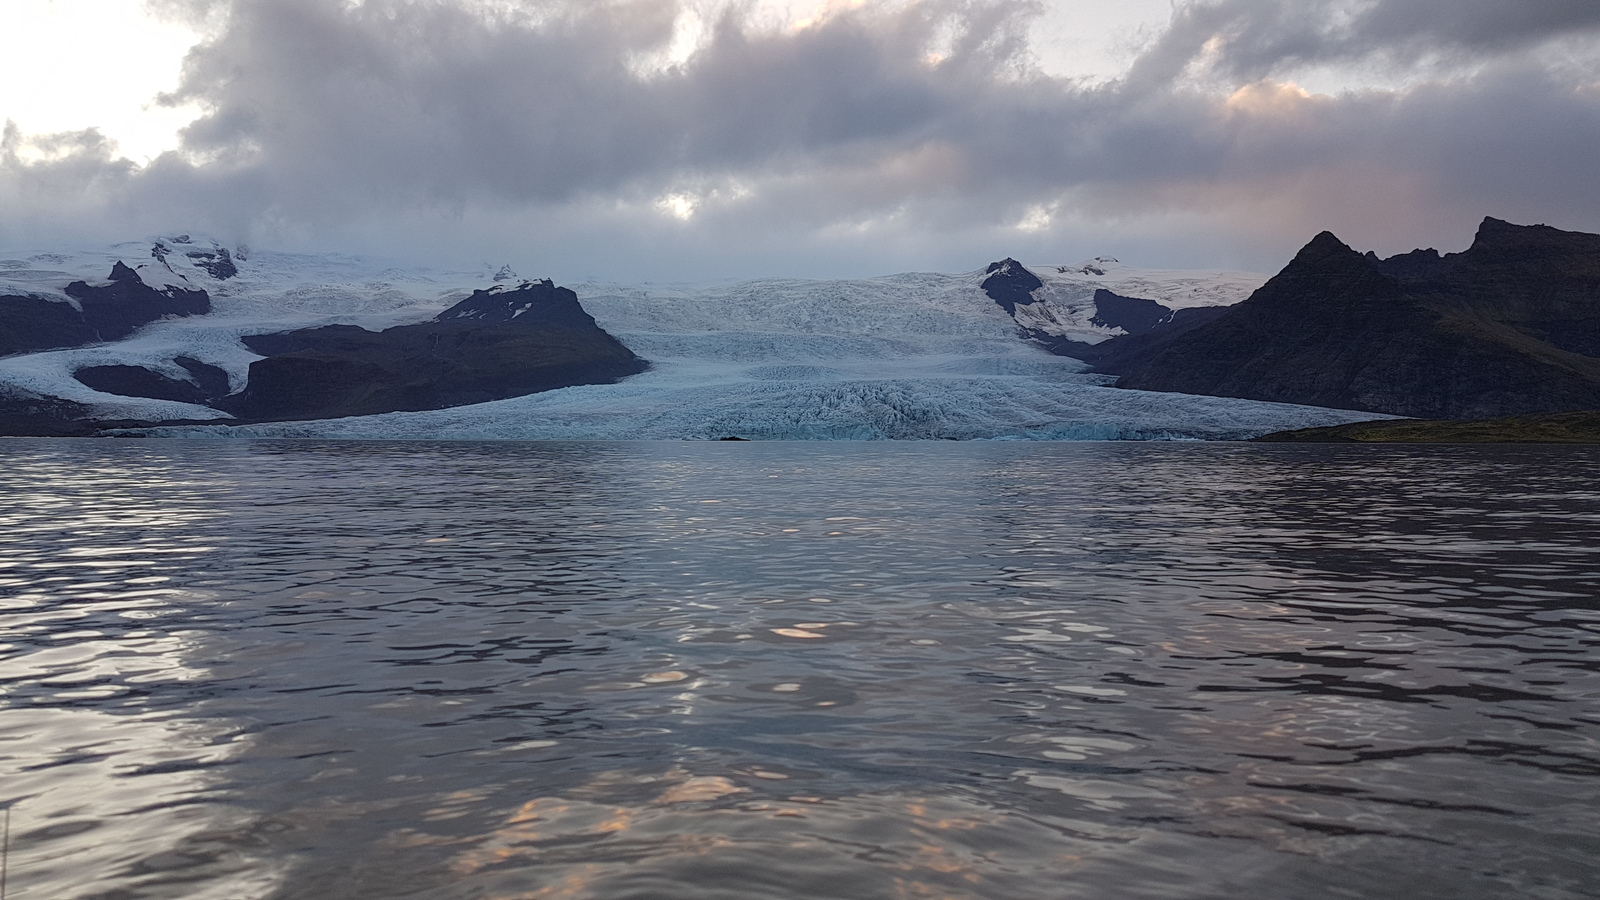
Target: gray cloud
{"points": [[1251, 39], [881, 138]]}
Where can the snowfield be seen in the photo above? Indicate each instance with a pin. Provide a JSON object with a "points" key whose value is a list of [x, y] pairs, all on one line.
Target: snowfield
{"points": [[906, 357]]}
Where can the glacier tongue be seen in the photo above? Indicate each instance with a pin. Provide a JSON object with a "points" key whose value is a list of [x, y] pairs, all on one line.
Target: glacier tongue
{"points": [[652, 407], [908, 357], [916, 356]]}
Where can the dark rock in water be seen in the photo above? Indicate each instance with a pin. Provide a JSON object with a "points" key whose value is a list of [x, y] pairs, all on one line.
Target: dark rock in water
{"points": [[493, 345], [210, 383], [1509, 326], [1010, 284], [1133, 315], [731, 438], [116, 310]]}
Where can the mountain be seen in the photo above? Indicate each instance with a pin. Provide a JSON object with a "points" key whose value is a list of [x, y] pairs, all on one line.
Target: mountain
{"points": [[495, 344], [338, 337], [104, 311], [322, 344], [1509, 326], [1074, 310]]}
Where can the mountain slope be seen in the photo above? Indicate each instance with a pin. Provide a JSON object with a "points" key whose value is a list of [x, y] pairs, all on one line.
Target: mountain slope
{"points": [[495, 344], [92, 312], [1503, 328]]}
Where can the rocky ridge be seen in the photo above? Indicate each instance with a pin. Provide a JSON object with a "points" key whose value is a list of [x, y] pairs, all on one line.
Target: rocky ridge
{"points": [[497, 343], [1509, 326]]}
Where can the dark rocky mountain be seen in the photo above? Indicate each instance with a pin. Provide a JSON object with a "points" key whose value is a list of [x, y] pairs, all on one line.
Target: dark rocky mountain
{"points": [[1135, 315], [34, 323], [204, 385], [118, 309], [106, 312], [1010, 284], [1509, 326], [497, 343], [1111, 355]]}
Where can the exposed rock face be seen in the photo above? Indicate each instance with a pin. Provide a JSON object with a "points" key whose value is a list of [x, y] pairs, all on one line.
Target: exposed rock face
{"points": [[1010, 284], [218, 262], [1509, 326], [24, 413], [108, 313], [1112, 355], [138, 381], [205, 384], [34, 323], [116, 310], [212, 380], [1133, 315], [495, 344]]}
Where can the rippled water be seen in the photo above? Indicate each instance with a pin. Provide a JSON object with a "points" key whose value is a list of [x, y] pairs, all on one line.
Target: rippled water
{"points": [[378, 670]]}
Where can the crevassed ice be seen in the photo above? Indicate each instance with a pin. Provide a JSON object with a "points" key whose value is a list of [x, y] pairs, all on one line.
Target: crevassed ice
{"points": [[906, 357]]}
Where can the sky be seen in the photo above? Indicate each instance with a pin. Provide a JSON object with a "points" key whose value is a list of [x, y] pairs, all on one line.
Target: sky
{"points": [[672, 140]]}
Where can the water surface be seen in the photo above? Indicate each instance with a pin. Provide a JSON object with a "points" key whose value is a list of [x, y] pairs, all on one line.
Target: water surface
{"points": [[668, 670]]}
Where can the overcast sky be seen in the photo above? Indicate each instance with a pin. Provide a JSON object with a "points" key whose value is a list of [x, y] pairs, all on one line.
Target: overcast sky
{"points": [[696, 139]]}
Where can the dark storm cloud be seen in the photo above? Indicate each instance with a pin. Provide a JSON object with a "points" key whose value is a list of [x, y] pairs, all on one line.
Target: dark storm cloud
{"points": [[920, 125]]}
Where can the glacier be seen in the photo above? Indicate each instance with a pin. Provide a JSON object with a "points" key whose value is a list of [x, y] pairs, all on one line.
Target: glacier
{"points": [[920, 356]]}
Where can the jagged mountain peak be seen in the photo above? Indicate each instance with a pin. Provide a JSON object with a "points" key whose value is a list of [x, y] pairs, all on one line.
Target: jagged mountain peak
{"points": [[1323, 249], [1507, 327], [531, 302], [210, 257], [1007, 266], [1534, 251], [1010, 284]]}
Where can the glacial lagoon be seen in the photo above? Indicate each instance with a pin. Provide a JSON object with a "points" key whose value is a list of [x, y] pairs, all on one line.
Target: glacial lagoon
{"points": [[295, 669]]}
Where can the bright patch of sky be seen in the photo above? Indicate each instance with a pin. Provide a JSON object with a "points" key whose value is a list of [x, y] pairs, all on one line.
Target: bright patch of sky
{"points": [[1096, 41], [69, 65]]}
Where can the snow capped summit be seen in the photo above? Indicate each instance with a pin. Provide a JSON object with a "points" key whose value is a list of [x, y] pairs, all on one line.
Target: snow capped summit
{"points": [[528, 303], [1056, 303], [1095, 267]]}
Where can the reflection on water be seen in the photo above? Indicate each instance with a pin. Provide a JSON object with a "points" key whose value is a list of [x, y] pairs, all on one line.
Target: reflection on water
{"points": [[287, 670]]}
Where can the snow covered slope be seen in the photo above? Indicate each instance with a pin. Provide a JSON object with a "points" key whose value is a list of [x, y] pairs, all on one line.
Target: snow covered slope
{"points": [[917, 356], [1064, 306], [268, 292]]}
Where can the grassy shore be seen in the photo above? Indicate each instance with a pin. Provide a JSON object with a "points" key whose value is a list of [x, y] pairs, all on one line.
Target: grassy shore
{"points": [[1549, 428]]}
